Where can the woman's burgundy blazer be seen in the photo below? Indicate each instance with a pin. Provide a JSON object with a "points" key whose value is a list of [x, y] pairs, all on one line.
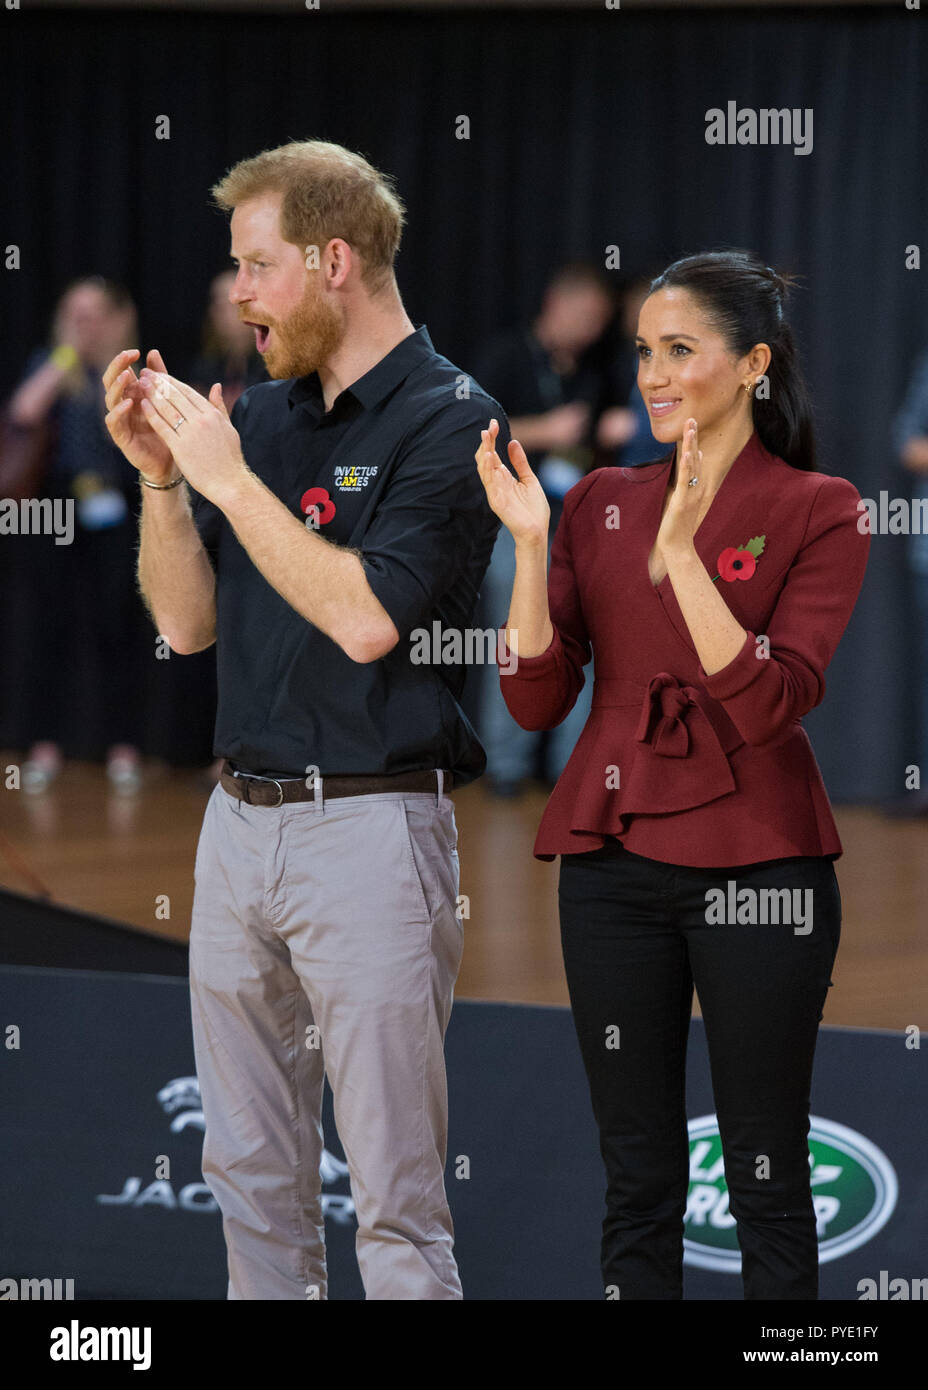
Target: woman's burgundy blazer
{"points": [[681, 766]]}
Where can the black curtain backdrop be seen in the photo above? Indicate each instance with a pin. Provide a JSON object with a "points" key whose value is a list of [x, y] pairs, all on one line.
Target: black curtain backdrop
{"points": [[587, 129]]}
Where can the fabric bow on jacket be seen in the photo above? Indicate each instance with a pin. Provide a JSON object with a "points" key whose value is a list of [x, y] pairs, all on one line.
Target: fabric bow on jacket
{"points": [[683, 723], [662, 716]]}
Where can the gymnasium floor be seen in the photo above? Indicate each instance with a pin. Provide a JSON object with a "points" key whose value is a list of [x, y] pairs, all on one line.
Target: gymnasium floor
{"points": [[118, 857]]}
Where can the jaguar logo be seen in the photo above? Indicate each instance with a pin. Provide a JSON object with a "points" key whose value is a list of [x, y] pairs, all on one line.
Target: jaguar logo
{"points": [[180, 1098], [183, 1095]]}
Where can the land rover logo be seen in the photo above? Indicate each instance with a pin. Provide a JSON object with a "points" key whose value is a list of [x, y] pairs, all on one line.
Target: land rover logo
{"points": [[854, 1191]]}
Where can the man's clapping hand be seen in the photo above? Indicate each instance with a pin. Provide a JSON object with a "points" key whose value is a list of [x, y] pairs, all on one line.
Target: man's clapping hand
{"points": [[198, 433], [129, 429]]}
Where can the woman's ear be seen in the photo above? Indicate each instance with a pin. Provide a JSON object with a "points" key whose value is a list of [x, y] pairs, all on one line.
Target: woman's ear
{"points": [[759, 359]]}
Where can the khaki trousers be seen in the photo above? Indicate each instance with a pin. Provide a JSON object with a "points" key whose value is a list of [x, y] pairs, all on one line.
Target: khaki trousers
{"points": [[325, 941]]}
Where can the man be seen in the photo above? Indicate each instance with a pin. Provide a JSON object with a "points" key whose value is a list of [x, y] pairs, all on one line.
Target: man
{"points": [[335, 512]]}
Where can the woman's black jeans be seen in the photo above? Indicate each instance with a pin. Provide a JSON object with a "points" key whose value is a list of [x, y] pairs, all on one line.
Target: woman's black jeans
{"points": [[637, 935]]}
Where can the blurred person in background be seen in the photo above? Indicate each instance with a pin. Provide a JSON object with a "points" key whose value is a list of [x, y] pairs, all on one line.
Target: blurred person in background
{"points": [[636, 444], [556, 380], [70, 685], [910, 436], [228, 353], [181, 695]]}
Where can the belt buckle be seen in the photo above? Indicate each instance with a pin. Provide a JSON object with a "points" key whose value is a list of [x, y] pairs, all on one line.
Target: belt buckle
{"points": [[253, 777]]}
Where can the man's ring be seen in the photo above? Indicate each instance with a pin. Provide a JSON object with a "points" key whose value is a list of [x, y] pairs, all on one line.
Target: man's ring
{"points": [[177, 424]]}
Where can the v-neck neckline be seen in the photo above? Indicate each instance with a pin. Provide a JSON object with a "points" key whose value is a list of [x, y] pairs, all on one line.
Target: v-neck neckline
{"points": [[656, 588]]}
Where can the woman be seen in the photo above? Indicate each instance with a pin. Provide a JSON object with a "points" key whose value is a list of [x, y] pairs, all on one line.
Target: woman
{"points": [[695, 834], [79, 625]]}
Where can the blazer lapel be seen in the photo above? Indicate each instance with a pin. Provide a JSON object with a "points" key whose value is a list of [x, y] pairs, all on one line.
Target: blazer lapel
{"points": [[735, 517]]}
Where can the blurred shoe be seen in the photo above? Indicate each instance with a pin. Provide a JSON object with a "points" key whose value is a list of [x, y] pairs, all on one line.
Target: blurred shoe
{"points": [[124, 769], [41, 768]]}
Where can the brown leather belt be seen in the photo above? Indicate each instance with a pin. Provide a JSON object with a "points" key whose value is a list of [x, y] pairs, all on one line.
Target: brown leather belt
{"points": [[273, 791]]}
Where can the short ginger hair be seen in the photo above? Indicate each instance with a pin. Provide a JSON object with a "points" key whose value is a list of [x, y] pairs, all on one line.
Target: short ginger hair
{"points": [[328, 192]]}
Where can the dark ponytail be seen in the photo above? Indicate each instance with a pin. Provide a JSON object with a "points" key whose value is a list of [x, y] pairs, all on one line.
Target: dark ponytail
{"points": [[744, 300]]}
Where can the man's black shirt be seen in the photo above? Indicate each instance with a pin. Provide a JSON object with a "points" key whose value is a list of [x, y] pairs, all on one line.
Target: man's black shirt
{"points": [[390, 469]]}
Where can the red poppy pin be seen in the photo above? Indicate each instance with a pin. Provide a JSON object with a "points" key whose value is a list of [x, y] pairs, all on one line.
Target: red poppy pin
{"points": [[317, 502], [740, 563]]}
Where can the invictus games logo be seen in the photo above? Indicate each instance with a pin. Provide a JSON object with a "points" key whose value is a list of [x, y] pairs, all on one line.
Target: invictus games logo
{"points": [[854, 1192], [353, 478]]}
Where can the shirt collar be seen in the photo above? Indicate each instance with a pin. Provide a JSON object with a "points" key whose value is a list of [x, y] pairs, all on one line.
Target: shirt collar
{"points": [[371, 388]]}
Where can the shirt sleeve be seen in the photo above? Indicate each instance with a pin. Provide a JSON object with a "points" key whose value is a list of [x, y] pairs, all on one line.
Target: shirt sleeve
{"points": [[766, 695], [540, 691], [434, 515]]}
